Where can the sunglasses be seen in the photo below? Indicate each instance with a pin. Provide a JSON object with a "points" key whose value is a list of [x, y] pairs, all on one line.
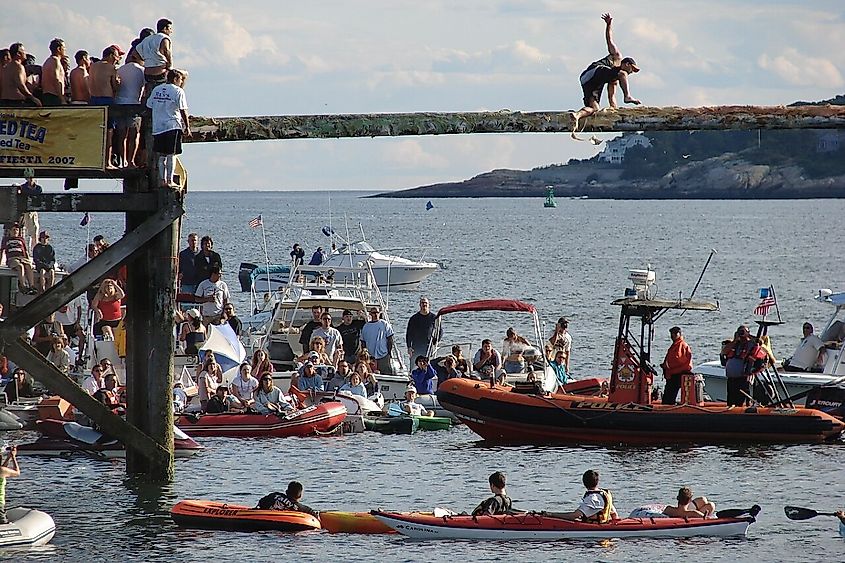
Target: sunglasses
{"points": [[266, 379]]}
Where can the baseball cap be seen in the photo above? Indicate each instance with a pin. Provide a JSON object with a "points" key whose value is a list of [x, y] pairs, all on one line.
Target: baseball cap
{"points": [[313, 356], [120, 51], [632, 62], [193, 313]]}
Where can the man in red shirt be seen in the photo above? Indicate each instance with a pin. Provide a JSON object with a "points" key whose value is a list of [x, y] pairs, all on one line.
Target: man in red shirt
{"points": [[678, 361]]}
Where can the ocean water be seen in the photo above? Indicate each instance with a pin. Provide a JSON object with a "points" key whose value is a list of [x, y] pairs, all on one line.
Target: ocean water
{"points": [[572, 261]]}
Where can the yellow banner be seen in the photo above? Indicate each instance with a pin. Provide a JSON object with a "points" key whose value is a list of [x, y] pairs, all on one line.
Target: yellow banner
{"points": [[53, 137]]}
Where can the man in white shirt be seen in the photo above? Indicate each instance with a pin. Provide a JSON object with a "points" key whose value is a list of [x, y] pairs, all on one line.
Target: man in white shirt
{"points": [[131, 76], [331, 335], [213, 293], [170, 120], [810, 354], [596, 505], [95, 381]]}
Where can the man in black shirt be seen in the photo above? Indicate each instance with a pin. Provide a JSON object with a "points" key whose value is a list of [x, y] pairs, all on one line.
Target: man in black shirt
{"points": [[350, 334], [206, 260], [187, 270], [308, 328], [420, 330]]}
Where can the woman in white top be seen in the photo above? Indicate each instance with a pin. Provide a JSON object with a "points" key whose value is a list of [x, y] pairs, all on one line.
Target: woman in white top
{"points": [[244, 386], [210, 377], [512, 348]]}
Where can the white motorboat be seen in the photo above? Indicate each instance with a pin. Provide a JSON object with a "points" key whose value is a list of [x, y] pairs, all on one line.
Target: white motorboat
{"points": [[390, 270], [27, 527], [796, 382]]}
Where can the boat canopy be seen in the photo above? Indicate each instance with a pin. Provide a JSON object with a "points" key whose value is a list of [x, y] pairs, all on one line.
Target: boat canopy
{"points": [[686, 304], [489, 305]]}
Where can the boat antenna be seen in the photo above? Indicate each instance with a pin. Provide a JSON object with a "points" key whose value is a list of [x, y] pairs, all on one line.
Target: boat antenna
{"points": [[706, 264]]}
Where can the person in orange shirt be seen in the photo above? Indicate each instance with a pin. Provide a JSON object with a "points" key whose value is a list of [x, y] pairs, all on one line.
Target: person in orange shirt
{"points": [[678, 361]]}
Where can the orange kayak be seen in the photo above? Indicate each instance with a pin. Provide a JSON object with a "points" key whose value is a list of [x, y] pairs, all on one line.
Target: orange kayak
{"points": [[337, 522], [223, 516]]}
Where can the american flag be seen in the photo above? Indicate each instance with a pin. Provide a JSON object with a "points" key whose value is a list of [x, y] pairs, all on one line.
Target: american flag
{"points": [[767, 300], [256, 222]]}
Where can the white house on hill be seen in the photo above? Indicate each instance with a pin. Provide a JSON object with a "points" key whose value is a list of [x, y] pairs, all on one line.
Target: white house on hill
{"points": [[614, 149]]}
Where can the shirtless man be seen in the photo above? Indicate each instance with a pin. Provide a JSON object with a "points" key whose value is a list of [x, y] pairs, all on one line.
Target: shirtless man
{"points": [[13, 89], [609, 70], [689, 507], [53, 75], [103, 83], [156, 52], [5, 57], [79, 92]]}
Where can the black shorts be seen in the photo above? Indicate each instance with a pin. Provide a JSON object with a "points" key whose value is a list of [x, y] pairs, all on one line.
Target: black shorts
{"points": [[169, 142], [593, 81]]}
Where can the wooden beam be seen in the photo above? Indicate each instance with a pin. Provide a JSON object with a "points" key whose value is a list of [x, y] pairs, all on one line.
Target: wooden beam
{"points": [[80, 280], [212, 129], [110, 174], [80, 202], [33, 362]]}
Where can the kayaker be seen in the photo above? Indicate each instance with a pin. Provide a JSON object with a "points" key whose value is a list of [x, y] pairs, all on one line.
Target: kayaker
{"points": [[678, 361], [355, 386], [596, 505], [9, 468], [410, 406], [289, 500], [500, 502], [689, 507], [269, 398], [424, 376]]}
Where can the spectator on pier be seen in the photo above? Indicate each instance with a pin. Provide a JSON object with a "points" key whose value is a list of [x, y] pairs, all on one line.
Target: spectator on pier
{"points": [[487, 359], [350, 335], [95, 381], [17, 259], [128, 93], [229, 317], [609, 70], [420, 330], [318, 257], [132, 53], [53, 75], [107, 308], [560, 340], [103, 82], [9, 468], [80, 93], [29, 219], [269, 398], [187, 267], [308, 328], [210, 377], [5, 57], [44, 257], [289, 500], [678, 362], [244, 386], [58, 356], [500, 502], [156, 52], [424, 376], [261, 364], [14, 90], [170, 122], [331, 337], [377, 337], [810, 355], [193, 332], [689, 507], [596, 505], [42, 339], [297, 255], [213, 293], [206, 259]]}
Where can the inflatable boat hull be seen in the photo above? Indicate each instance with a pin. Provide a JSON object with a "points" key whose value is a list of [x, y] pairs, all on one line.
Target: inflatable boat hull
{"points": [[208, 514]]}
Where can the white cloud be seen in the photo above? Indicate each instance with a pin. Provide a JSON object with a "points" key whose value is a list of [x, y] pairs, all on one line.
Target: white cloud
{"points": [[649, 31], [799, 69], [410, 154]]}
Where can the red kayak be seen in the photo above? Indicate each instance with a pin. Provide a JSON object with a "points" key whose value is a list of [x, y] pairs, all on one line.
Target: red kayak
{"points": [[63, 438], [324, 417], [539, 526], [222, 516]]}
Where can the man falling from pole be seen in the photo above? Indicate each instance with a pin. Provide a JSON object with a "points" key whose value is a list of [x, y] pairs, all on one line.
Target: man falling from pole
{"points": [[609, 70]]}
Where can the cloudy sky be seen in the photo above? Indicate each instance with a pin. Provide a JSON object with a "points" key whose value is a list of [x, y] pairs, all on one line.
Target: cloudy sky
{"points": [[266, 57]]}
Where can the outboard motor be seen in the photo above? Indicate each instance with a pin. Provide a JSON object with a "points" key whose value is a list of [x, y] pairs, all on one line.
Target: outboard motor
{"points": [[827, 399]]}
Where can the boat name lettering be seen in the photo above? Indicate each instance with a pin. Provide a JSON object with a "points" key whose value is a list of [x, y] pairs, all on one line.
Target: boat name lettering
{"points": [[610, 406], [823, 403], [221, 511], [416, 528]]}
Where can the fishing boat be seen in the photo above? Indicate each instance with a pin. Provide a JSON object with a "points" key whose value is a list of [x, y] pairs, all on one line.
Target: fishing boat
{"points": [[27, 527], [541, 526], [315, 419], [62, 438], [550, 197], [797, 384], [208, 514], [390, 270], [506, 414]]}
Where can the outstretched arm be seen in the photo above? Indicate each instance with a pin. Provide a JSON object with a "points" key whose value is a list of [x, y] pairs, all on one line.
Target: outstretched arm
{"points": [[608, 35]]}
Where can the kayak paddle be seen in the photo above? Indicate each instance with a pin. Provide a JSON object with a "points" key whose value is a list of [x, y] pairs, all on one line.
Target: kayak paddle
{"points": [[738, 512], [797, 513]]}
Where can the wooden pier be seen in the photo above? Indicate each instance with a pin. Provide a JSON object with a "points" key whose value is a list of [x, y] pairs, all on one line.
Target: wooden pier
{"points": [[149, 247]]}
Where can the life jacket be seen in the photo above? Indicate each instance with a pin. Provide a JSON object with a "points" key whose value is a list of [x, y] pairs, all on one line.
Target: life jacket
{"points": [[503, 505], [741, 350], [602, 516]]}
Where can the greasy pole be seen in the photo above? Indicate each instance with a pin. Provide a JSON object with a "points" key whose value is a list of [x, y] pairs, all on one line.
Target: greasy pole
{"points": [[333, 126], [150, 299]]}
